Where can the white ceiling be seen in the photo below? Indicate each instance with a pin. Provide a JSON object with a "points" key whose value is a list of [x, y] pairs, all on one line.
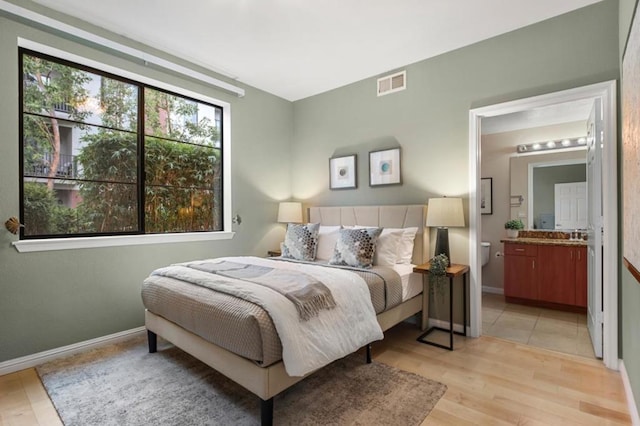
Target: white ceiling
{"points": [[539, 117], [297, 48]]}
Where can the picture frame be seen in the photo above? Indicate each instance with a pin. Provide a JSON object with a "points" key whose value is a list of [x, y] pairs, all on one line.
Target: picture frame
{"points": [[343, 173], [630, 146], [385, 167], [486, 196]]}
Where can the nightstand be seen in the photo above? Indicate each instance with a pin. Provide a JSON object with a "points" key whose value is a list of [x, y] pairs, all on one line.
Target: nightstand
{"points": [[453, 271], [274, 253]]}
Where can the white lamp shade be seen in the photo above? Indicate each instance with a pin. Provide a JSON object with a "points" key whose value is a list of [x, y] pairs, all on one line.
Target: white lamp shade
{"points": [[445, 212], [290, 212]]}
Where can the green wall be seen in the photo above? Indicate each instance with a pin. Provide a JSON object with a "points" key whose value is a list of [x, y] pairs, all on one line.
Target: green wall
{"points": [[429, 120], [56, 298], [630, 288]]}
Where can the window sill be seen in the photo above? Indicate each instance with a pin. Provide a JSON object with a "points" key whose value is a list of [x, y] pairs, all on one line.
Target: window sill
{"points": [[52, 244]]}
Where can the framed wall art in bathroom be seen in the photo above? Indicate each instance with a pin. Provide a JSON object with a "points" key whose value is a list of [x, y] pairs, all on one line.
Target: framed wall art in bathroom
{"points": [[486, 195]]}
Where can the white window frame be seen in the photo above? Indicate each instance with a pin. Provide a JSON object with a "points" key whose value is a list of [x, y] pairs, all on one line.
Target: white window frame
{"points": [[48, 244]]}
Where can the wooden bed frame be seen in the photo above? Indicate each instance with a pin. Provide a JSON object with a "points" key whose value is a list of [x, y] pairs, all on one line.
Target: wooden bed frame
{"points": [[266, 382]]}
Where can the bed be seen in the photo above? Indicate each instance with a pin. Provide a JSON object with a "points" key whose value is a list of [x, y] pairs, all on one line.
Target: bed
{"points": [[264, 373]]}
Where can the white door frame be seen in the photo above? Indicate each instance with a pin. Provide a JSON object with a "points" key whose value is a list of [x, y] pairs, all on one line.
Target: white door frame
{"points": [[607, 92]]}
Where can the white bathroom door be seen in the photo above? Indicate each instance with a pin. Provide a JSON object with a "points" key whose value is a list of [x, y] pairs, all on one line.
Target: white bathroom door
{"points": [[595, 139], [570, 205]]}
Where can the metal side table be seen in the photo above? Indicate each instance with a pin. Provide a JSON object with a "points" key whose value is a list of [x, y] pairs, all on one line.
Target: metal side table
{"points": [[453, 271]]}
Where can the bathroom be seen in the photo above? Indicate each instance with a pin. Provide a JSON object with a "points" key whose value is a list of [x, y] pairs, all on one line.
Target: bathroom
{"points": [[511, 174]]}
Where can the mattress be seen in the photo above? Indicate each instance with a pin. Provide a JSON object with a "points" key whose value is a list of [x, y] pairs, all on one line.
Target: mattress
{"points": [[237, 325], [411, 281]]}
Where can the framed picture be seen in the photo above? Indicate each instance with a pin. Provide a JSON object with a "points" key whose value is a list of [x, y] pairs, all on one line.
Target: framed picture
{"points": [[342, 172], [384, 167], [486, 195], [630, 148]]}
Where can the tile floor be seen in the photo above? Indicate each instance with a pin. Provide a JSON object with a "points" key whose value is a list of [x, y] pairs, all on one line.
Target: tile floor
{"points": [[545, 328]]}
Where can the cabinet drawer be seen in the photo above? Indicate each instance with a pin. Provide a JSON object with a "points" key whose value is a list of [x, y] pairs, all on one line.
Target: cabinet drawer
{"points": [[520, 249]]}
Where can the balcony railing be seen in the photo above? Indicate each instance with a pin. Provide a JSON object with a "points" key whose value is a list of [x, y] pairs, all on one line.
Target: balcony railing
{"points": [[67, 167], [62, 107]]}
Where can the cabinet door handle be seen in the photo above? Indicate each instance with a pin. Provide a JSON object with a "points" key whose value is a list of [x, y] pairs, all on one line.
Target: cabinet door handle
{"points": [[533, 263], [571, 251], [519, 249], [579, 255]]}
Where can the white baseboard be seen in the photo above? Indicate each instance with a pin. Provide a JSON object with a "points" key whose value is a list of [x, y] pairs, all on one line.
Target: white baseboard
{"points": [[492, 290], [631, 402], [29, 361]]}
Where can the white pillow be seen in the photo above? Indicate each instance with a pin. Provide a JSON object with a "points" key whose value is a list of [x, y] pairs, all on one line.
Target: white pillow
{"points": [[405, 247], [386, 253], [387, 247], [327, 238]]}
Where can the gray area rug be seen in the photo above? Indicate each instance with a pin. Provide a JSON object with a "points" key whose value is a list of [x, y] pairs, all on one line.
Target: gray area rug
{"points": [[123, 384]]}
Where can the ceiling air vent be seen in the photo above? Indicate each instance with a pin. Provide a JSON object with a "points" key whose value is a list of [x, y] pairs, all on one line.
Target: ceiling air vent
{"points": [[392, 83]]}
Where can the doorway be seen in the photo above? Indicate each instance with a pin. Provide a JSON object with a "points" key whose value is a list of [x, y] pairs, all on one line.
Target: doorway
{"points": [[606, 94]]}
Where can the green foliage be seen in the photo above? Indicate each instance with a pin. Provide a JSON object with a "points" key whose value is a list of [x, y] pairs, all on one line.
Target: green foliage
{"points": [[109, 191], [438, 275], [171, 117], [39, 204], [514, 224], [180, 182], [43, 215], [182, 156], [47, 87], [180, 179], [119, 102], [49, 84], [439, 265]]}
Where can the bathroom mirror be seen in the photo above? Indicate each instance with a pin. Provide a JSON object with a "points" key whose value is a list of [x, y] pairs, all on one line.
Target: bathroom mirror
{"points": [[533, 179]]}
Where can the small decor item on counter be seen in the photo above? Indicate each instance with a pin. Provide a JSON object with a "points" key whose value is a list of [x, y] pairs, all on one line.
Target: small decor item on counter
{"points": [[513, 226], [577, 235], [13, 225], [438, 275]]}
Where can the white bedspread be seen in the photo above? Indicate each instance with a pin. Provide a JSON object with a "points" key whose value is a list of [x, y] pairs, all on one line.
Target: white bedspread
{"points": [[306, 345]]}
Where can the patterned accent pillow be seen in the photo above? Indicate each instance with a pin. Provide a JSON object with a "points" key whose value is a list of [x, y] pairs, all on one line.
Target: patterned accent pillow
{"points": [[301, 241], [356, 247]]}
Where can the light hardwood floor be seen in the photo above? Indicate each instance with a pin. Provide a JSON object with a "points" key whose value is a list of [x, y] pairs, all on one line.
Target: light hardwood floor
{"points": [[490, 381]]}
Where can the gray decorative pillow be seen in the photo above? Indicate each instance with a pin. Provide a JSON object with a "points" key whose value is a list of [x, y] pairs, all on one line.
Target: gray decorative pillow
{"points": [[301, 241], [356, 247]]}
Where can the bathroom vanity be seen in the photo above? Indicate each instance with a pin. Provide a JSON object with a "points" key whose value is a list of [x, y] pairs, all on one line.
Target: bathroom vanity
{"points": [[546, 272]]}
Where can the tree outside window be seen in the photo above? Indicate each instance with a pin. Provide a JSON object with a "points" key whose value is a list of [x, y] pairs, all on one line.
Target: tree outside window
{"points": [[92, 166]]}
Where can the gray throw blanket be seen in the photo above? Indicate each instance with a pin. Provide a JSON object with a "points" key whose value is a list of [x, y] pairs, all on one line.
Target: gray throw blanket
{"points": [[307, 294]]}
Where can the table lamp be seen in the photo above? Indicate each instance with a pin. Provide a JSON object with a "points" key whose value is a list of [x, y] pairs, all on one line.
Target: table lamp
{"points": [[290, 212], [444, 213]]}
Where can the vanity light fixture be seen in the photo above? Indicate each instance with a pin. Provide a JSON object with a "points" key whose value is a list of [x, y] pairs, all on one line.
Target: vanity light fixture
{"points": [[552, 144]]}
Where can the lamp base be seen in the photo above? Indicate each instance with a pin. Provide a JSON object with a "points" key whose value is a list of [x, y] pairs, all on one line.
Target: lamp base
{"points": [[442, 243]]}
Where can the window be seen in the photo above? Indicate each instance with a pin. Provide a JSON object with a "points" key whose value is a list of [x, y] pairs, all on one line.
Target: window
{"points": [[105, 155]]}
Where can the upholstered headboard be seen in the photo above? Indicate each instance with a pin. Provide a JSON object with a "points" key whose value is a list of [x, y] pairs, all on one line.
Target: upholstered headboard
{"points": [[400, 216]]}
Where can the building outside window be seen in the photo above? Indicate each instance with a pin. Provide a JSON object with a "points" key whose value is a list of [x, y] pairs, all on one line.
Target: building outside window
{"points": [[104, 155]]}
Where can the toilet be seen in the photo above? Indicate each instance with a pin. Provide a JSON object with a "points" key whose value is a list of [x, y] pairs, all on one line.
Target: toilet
{"points": [[485, 250]]}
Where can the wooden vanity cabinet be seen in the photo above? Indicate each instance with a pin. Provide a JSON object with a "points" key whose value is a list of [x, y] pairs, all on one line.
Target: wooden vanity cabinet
{"points": [[543, 273], [557, 274], [582, 277], [520, 271]]}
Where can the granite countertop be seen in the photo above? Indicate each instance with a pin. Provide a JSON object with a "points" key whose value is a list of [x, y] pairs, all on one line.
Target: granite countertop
{"points": [[545, 241]]}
